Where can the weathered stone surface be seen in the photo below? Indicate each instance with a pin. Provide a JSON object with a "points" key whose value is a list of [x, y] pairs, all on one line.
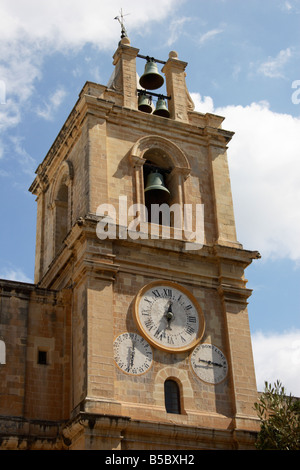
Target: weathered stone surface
{"points": [[84, 287]]}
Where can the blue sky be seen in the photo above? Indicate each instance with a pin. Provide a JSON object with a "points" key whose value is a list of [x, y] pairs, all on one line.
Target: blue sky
{"points": [[243, 62]]}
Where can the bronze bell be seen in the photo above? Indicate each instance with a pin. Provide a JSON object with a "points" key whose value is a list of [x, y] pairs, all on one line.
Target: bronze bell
{"points": [[161, 108], [145, 103], [156, 190], [151, 79]]}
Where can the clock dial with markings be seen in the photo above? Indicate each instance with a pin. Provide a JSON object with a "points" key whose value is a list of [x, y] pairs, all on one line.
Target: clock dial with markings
{"points": [[169, 316], [209, 363], [132, 353]]}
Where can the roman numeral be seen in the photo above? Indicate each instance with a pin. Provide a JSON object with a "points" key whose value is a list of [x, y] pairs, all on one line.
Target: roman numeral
{"points": [[149, 324], [146, 312], [159, 334], [192, 319], [156, 293], [190, 330], [168, 292]]}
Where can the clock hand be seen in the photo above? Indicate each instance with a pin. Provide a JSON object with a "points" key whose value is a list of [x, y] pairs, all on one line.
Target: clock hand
{"points": [[132, 354], [216, 364], [211, 363], [169, 315]]}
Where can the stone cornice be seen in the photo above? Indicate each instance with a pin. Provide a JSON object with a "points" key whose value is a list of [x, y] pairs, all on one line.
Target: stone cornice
{"points": [[233, 294], [107, 264], [153, 433]]}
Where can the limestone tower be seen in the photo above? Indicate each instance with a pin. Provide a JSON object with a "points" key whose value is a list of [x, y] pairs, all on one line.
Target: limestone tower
{"points": [[137, 325]]}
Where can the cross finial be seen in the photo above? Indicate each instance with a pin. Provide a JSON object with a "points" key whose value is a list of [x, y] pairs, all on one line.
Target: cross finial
{"points": [[120, 19]]}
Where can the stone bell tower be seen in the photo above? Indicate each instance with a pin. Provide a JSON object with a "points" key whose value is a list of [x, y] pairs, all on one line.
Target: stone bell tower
{"points": [[157, 352]]}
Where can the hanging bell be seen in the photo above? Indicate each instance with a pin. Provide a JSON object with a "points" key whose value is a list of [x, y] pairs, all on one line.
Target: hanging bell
{"points": [[145, 103], [161, 108], [151, 80], [156, 190]]}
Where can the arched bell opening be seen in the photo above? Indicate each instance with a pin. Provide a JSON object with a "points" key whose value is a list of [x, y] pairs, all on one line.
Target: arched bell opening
{"points": [[156, 170], [152, 80], [155, 190], [158, 154]]}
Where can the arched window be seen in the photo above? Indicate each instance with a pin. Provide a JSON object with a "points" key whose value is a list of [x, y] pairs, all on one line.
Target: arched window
{"points": [[172, 397], [61, 216], [154, 153], [61, 204], [2, 352]]}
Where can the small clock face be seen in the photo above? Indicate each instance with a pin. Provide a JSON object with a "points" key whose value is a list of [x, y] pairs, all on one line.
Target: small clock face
{"points": [[209, 363], [132, 353], [169, 316]]}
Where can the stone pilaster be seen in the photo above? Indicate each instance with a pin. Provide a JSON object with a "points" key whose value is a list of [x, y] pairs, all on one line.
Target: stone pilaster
{"points": [[179, 104], [125, 80]]}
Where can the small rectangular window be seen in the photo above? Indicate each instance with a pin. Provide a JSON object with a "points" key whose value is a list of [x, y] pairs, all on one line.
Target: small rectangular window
{"points": [[42, 357], [172, 397], [2, 352]]}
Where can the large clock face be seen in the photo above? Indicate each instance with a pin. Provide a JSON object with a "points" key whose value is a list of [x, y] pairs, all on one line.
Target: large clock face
{"points": [[132, 353], [209, 363], [169, 316]]}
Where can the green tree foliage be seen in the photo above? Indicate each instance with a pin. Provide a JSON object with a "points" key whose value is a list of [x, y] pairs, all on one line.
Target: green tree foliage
{"points": [[279, 415]]}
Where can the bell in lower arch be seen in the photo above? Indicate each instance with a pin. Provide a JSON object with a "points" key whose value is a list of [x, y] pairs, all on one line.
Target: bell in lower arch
{"points": [[145, 103], [151, 79], [156, 190], [161, 108]]}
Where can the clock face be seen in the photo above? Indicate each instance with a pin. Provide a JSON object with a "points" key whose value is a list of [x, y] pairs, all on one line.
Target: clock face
{"points": [[209, 363], [132, 353], [169, 316]]}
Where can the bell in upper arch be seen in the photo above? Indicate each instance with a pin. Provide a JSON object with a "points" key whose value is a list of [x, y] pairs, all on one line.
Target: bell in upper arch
{"points": [[151, 79], [145, 103], [161, 108], [155, 190]]}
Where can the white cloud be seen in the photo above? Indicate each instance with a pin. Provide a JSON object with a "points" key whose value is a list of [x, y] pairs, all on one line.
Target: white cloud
{"points": [[19, 67], [288, 6], [175, 29], [209, 35], [31, 30], [48, 110], [72, 23], [273, 67], [203, 104], [277, 357], [15, 274], [9, 115], [25, 161], [19, 70], [264, 168], [291, 6]]}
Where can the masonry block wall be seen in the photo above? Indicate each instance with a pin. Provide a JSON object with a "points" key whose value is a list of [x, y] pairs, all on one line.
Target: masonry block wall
{"points": [[35, 380]]}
